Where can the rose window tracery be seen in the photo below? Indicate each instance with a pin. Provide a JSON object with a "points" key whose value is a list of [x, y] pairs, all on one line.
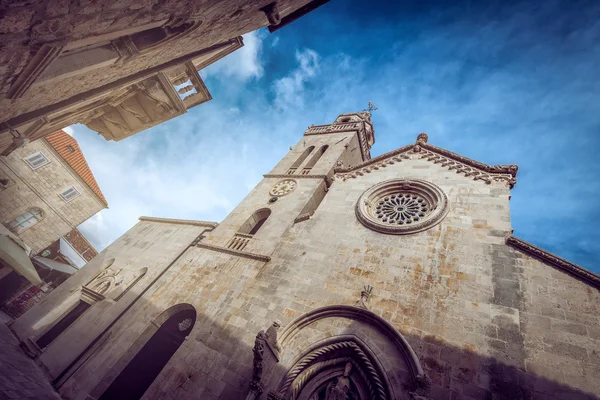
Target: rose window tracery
{"points": [[402, 206]]}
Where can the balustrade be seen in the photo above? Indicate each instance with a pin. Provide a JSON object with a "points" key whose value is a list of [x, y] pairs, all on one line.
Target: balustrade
{"points": [[239, 241]]}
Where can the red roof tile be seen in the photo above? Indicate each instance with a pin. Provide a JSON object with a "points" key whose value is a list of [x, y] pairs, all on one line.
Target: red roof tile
{"points": [[68, 148]]}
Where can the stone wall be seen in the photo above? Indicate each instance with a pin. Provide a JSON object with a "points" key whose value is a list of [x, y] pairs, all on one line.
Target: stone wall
{"points": [[25, 27], [41, 188], [150, 245], [485, 321]]}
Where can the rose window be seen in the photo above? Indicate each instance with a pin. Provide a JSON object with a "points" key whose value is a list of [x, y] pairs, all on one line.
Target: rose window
{"points": [[402, 206], [283, 187]]}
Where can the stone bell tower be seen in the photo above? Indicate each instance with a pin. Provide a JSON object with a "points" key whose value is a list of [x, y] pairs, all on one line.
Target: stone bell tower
{"points": [[293, 190]]}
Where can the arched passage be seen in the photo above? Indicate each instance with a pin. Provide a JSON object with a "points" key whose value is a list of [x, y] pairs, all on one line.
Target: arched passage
{"points": [[346, 350], [132, 382]]}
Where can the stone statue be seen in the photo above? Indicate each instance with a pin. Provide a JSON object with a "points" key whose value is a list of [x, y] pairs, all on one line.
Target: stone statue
{"points": [[340, 390]]}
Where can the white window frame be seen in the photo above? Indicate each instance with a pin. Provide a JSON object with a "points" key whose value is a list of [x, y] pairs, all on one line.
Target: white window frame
{"points": [[16, 226], [62, 194], [32, 155]]}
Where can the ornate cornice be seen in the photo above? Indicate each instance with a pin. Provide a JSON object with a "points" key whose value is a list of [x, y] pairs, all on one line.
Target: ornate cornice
{"points": [[239, 253], [542, 255], [180, 221], [463, 165], [325, 177]]}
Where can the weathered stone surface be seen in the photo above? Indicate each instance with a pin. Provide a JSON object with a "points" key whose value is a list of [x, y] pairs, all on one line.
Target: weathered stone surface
{"points": [[485, 320]]}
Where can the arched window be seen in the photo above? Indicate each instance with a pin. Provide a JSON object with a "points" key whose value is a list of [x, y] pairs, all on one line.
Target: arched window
{"points": [[153, 350], [300, 160], [255, 222], [26, 220], [311, 163]]}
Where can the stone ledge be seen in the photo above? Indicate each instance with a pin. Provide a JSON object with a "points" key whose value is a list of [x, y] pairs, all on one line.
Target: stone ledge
{"points": [[239, 253], [180, 221], [545, 256]]}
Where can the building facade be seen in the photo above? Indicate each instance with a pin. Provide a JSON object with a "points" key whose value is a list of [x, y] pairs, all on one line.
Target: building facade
{"points": [[339, 276], [47, 190], [117, 66]]}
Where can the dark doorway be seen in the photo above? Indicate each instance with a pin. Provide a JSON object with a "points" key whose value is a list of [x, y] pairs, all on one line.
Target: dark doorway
{"points": [[63, 324], [145, 366]]}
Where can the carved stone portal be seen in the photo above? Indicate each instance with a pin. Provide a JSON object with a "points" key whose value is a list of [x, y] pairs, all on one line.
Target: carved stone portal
{"points": [[113, 283]]}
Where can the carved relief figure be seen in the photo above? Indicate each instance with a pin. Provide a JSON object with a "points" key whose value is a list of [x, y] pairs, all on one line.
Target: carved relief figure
{"points": [[113, 283]]}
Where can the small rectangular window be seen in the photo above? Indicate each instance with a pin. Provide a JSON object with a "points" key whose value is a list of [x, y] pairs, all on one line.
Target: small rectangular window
{"points": [[69, 194], [36, 160]]}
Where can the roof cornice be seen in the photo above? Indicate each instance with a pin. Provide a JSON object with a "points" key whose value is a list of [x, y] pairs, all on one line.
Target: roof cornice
{"points": [[470, 168], [554, 260], [180, 221]]}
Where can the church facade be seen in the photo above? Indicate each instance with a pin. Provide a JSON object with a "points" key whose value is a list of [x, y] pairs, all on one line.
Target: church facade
{"points": [[339, 276]]}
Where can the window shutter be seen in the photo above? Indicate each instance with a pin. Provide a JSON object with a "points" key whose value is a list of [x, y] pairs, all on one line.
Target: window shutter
{"points": [[69, 194], [36, 160]]}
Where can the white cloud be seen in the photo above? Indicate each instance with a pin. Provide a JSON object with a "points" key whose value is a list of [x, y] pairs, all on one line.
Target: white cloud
{"points": [[289, 90], [243, 64], [69, 130]]}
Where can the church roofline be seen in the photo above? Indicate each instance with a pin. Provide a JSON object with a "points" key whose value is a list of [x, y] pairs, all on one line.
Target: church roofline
{"points": [[573, 269], [475, 169], [207, 224]]}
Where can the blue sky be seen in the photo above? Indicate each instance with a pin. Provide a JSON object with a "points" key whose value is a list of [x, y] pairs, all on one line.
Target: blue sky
{"points": [[500, 82]]}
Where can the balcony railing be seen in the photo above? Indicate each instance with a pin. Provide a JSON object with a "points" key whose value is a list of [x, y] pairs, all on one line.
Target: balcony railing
{"points": [[239, 241], [332, 128]]}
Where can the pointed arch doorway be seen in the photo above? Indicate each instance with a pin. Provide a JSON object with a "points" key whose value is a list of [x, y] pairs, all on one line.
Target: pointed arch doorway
{"points": [[156, 347]]}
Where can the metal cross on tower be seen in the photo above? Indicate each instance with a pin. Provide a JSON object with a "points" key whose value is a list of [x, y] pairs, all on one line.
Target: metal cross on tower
{"points": [[371, 107]]}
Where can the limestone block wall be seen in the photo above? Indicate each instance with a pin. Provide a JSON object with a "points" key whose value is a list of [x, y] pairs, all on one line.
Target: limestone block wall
{"points": [[150, 245], [341, 146], [215, 361], [485, 320], [26, 26], [41, 188]]}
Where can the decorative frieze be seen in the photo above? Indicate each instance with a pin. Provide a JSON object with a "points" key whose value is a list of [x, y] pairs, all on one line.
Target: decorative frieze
{"points": [[462, 165]]}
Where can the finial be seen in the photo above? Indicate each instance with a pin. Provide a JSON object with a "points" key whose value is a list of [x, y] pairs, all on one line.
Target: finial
{"points": [[422, 137], [370, 108], [365, 295]]}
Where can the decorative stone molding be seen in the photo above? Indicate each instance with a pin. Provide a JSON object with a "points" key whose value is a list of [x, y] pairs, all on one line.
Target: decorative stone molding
{"points": [[437, 155], [302, 217], [233, 252], [35, 67], [372, 165], [544, 256], [325, 177], [358, 122], [272, 13], [402, 206], [180, 221], [365, 295], [309, 366], [358, 314], [266, 355]]}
